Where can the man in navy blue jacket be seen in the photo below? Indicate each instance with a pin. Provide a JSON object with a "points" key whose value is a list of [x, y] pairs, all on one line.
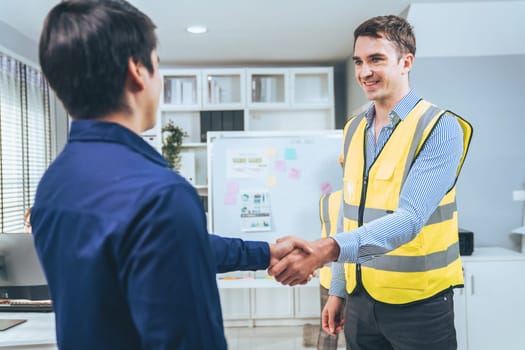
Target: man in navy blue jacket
{"points": [[122, 238]]}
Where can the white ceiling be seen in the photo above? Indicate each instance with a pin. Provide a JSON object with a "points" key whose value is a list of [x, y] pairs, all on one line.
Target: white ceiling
{"points": [[281, 31]]}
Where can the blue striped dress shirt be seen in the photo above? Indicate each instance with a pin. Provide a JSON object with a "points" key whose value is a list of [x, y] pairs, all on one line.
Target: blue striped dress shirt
{"points": [[430, 178]]}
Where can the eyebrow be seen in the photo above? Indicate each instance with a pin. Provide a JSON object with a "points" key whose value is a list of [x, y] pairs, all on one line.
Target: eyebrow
{"points": [[369, 56]]}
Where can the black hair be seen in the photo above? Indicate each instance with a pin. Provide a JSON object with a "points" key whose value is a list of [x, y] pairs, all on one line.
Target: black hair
{"points": [[84, 50]]}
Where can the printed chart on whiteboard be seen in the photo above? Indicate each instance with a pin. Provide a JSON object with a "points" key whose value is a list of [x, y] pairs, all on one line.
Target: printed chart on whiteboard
{"points": [[265, 185]]}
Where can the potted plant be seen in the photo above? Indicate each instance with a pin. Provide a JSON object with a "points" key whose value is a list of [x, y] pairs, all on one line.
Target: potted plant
{"points": [[171, 144]]}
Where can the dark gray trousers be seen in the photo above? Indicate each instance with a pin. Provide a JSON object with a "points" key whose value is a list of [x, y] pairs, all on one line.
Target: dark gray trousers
{"points": [[425, 325]]}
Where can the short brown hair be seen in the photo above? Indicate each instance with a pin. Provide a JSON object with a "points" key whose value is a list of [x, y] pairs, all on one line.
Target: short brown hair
{"points": [[393, 28]]}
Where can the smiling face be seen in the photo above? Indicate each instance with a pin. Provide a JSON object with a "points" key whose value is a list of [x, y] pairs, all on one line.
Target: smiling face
{"points": [[381, 70]]}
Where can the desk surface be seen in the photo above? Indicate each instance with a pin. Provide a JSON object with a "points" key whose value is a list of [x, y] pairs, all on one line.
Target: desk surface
{"points": [[38, 330], [260, 283], [492, 253]]}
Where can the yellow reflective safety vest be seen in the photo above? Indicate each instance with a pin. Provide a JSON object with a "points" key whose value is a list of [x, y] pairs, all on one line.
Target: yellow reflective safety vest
{"points": [[329, 206], [428, 264]]}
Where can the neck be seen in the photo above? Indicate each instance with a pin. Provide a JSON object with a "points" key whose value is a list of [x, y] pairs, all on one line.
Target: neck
{"points": [[127, 120], [383, 107]]}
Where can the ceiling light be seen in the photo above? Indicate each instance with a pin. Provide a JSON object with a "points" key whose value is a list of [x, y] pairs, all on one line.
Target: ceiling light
{"points": [[197, 29]]}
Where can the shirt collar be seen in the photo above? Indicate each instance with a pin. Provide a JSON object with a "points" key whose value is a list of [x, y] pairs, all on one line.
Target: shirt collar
{"points": [[399, 112], [99, 131]]}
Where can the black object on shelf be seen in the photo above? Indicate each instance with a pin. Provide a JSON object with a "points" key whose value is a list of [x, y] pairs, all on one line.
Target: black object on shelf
{"points": [[466, 242], [204, 201], [29, 307], [221, 121]]}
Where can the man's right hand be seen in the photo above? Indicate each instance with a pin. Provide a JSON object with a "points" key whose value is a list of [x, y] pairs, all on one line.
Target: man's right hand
{"points": [[332, 318]]}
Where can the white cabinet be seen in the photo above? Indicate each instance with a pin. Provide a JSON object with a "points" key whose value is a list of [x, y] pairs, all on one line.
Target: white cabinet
{"points": [[311, 87], [236, 303], [490, 313], [290, 99], [269, 88], [224, 89], [307, 302], [273, 303], [182, 90], [254, 99], [251, 300]]}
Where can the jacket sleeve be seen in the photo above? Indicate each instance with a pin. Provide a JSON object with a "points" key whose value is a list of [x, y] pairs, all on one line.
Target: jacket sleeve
{"points": [[234, 254]]}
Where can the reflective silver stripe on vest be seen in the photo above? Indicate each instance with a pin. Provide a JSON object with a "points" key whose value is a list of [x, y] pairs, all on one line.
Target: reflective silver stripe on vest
{"points": [[325, 214], [422, 124], [351, 212], [442, 213], [370, 214], [415, 263], [351, 131]]}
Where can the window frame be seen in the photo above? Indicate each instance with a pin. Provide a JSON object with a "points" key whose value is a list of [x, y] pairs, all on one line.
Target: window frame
{"points": [[38, 141]]}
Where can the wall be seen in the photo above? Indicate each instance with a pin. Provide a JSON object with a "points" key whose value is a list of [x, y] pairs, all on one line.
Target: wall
{"points": [[486, 91], [18, 44], [26, 50]]}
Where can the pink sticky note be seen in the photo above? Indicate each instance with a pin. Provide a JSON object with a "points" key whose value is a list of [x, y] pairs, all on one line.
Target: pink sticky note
{"points": [[294, 173], [326, 188], [232, 187], [230, 199], [280, 165]]}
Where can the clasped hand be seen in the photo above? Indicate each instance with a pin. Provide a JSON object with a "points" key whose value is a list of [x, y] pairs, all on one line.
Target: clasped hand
{"points": [[294, 260]]}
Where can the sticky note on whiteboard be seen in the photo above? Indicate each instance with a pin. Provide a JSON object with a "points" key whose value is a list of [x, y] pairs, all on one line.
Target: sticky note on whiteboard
{"points": [[270, 152], [280, 165], [294, 174], [232, 187], [290, 154], [326, 188], [270, 181], [230, 199]]}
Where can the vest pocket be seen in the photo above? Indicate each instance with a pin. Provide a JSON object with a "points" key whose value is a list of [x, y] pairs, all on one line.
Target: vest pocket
{"points": [[383, 187], [385, 171]]}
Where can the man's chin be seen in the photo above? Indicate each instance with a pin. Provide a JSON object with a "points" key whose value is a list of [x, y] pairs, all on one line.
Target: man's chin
{"points": [[370, 96]]}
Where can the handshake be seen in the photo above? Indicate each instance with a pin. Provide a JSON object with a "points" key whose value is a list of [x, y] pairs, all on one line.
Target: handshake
{"points": [[294, 260]]}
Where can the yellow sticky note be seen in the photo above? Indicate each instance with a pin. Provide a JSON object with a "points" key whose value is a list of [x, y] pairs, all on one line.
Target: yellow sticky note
{"points": [[270, 152], [270, 181]]}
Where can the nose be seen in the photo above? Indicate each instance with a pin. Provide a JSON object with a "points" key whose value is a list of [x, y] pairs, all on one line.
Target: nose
{"points": [[365, 71]]}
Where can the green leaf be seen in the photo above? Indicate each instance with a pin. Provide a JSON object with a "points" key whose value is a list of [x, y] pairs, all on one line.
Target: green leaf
{"points": [[171, 144]]}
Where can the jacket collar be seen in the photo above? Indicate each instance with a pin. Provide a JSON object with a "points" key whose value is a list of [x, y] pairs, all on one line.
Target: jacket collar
{"points": [[100, 131]]}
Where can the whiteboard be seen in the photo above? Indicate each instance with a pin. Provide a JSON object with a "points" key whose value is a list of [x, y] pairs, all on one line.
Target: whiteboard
{"points": [[285, 171]]}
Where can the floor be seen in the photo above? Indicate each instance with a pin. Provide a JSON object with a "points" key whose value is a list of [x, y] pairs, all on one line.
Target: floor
{"points": [[273, 338]]}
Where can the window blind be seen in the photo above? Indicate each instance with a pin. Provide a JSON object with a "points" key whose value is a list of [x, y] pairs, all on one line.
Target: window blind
{"points": [[25, 145]]}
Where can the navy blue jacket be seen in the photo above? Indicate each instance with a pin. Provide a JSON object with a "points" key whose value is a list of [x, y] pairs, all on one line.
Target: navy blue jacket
{"points": [[125, 249]]}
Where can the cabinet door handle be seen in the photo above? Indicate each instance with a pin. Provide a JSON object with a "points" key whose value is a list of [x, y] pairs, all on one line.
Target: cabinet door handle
{"points": [[471, 284]]}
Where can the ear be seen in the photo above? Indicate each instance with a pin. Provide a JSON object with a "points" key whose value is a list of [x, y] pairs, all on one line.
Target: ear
{"points": [[407, 61], [135, 71]]}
